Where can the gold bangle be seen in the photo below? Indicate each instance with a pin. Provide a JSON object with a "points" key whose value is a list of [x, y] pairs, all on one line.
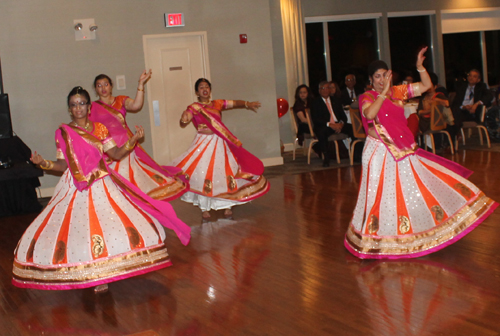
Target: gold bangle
{"points": [[246, 105], [184, 122], [49, 166], [128, 147], [140, 89], [382, 96]]}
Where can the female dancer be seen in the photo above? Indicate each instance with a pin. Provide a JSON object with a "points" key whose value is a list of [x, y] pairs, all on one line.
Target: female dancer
{"points": [[411, 202], [221, 173], [303, 99], [159, 182], [98, 227]]}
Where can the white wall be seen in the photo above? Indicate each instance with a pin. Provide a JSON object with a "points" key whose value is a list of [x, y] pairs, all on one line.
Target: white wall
{"points": [[42, 62]]}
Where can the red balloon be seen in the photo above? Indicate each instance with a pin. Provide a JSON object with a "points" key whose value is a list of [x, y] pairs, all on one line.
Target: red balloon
{"points": [[282, 107]]}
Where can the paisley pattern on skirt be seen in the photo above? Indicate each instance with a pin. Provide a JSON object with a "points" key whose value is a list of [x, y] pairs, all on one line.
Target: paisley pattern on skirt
{"points": [[411, 207]]}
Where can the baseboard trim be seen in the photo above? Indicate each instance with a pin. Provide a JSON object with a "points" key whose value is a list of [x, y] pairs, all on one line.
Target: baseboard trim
{"points": [[45, 192], [288, 147], [275, 161]]}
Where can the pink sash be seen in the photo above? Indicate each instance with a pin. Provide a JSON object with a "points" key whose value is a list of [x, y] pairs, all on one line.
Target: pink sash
{"points": [[392, 128], [390, 124], [114, 121], [248, 162], [84, 155]]}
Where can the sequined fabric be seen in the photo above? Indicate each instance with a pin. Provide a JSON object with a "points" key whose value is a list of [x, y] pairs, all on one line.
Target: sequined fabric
{"points": [[410, 207], [83, 238], [159, 182], [215, 177]]}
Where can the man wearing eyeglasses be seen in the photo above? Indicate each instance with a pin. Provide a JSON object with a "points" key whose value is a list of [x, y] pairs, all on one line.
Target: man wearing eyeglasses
{"points": [[328, 118], [469, 97], [351, 92]]}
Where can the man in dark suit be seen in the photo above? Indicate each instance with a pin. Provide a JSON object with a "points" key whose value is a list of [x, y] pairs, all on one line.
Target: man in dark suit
{"points": [[328, 118], [469, 97], [351, 92]]}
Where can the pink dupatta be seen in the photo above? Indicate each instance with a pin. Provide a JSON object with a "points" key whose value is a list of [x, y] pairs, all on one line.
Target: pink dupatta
{"points": [[202, 114], [114, 120], [84, 155], [392, 127]]}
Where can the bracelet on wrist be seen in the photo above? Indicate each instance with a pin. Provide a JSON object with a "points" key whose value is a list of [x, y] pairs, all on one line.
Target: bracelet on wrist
{"points": [[140, 89], [128, 146], [383, 96], [246, 105], [49, 165], [422, 70]]}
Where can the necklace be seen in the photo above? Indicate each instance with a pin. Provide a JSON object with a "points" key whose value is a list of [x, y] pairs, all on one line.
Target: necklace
{"points": [[87, 126]]}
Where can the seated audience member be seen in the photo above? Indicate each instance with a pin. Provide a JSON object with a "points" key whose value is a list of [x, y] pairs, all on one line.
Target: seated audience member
{"points": [[469, 97], [408, 79], [351, 92], [368, 86], [334, 89], [492, 119], [328, 118], [303, 99], [442, 89], [425, 101]]}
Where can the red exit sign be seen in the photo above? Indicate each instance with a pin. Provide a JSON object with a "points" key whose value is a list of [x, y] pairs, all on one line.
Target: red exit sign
{"points": [[174, 20]]}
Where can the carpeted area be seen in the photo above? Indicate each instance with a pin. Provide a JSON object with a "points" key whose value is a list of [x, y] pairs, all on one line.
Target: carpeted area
{"points": [[299, 165]]}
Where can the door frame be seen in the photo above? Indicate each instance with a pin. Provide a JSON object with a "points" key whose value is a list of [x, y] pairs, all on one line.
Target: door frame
{"points": [[145, 39]]}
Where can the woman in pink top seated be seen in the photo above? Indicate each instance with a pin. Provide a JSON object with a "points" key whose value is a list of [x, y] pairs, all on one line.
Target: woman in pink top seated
{"points": [[411, 202]]}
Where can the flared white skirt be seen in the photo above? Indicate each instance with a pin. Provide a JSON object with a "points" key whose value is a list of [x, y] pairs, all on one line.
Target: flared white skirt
{"points": [[214, 175], [411, 207], [154, 183], [87, 238]]}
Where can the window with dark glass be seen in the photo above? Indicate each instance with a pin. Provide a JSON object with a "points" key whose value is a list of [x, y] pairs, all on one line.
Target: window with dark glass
{"points": [[407, 36], [316, 64], [492, 39], [462, 52], [353, 46]]}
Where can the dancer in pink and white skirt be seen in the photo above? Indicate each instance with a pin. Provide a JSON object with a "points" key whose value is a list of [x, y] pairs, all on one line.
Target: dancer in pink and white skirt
{"points": [[410, 202], [160, 182], [221, 172], [98, 227]]}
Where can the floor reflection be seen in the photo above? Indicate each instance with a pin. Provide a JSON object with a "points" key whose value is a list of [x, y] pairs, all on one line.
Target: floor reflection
{"points": [[46, 315], [416, 297], [223, 276]]}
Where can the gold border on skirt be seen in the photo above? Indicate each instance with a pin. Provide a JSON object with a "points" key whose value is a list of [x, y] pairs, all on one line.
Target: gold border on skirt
{"points": [[414, 243], [99, 269]]}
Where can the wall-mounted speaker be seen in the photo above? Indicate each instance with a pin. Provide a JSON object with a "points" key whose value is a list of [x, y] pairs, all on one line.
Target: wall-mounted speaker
{"points": [[5, 120]]}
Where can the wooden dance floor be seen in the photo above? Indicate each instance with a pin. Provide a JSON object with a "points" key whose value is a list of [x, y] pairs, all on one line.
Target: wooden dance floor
{"points": [[280, 268]]}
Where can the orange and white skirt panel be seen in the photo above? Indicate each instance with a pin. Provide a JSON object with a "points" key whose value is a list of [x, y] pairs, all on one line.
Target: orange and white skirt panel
{"points": [[149, 180], [84, 239], [411, 207], [214, 175]]}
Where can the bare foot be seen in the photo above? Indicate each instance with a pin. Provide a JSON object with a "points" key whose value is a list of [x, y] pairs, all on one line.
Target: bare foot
{"points": [[101, 289], [205, 214], [228, 213]]}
